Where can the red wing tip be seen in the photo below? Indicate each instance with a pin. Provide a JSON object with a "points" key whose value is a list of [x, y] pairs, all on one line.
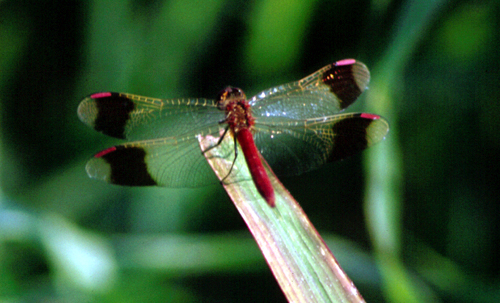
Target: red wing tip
{"points": [[345, 62], [100, 95], [370, 116], [105, 152]]}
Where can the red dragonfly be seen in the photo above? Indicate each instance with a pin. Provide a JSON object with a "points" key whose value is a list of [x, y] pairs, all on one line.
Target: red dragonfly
{"points": [[296, 127]]}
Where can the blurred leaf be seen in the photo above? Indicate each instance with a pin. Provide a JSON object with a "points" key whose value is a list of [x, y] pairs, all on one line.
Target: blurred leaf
{"points": [[383, 205], [276, 30], [80, 259], [467, 34]]}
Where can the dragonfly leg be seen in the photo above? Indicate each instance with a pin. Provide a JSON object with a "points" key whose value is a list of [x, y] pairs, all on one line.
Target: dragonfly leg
{"points": [[218, 142], [235, 151], [234, 161]]}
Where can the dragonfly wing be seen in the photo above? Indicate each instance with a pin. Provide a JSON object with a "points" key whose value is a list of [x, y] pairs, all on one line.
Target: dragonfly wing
{"points": [[166, 162], [134, 117], [325, 92], [295, 147]]}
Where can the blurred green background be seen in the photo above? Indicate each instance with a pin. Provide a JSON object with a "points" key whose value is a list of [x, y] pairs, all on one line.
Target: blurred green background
{"points": [[414, 219]]}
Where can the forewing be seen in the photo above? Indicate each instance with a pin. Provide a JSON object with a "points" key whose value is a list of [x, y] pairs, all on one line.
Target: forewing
{"points": [[134, 117], [292, 148], [323, 93]]}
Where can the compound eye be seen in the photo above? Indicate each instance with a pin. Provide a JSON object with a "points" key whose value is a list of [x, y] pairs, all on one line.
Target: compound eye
{"points": [[223, 95], [237, 92], [229, 94]]}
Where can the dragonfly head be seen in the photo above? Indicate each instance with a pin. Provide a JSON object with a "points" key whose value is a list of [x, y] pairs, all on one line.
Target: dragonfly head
{"points": [[229, 94]]}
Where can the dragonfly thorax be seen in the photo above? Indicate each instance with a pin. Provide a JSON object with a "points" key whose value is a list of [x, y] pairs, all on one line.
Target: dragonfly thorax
{"points": [[238, 112]]}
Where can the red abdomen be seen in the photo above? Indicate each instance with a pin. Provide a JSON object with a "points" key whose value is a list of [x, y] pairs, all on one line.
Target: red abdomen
{"points": [[252, 156]]}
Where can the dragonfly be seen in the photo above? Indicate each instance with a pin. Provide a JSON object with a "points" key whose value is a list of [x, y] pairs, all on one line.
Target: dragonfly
{"points": [[296, 127]]}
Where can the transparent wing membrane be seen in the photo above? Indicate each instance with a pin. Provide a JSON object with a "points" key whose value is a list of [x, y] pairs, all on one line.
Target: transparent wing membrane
{"points": [[136, 117], [297, 129], [292, 148]]}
